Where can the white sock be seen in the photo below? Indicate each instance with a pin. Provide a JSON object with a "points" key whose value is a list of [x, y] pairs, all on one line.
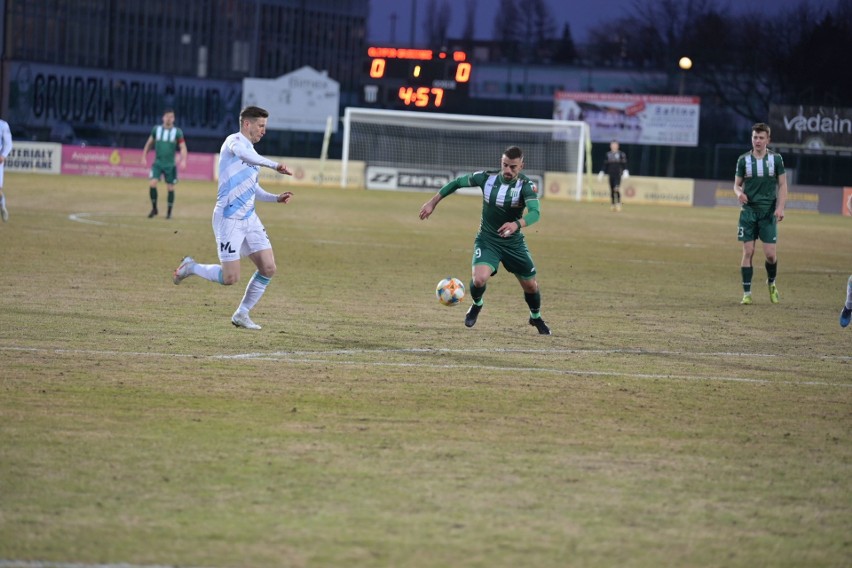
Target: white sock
{"points": [[3, 201], [849, 294], [211, 272], [255, 289]]}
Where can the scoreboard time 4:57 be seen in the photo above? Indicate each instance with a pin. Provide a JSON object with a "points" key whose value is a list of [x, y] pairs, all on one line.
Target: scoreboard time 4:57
{"points": [[416, 79]]}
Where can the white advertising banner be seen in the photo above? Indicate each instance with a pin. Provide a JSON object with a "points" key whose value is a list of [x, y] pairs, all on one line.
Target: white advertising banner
{"points": [[34, 157], [389, 178], [655, 120], [302, 100]]}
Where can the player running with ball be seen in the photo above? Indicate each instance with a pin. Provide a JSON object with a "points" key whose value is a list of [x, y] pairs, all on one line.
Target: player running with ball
{"points": [[505, 195]]}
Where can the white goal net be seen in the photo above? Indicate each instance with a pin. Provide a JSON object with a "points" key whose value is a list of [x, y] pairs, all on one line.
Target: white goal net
{"points": [[412, 150]]}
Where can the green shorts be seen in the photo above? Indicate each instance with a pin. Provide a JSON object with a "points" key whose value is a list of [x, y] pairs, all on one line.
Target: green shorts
{"points": [[513, 254], [758, 225], [169, 172]]}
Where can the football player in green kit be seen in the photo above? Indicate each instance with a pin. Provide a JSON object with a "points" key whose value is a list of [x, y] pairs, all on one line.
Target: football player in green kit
{"points": [[505, 195], [166, 140], [760, 185]]}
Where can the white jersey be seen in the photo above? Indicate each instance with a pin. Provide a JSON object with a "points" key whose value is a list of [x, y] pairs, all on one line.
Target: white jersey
{"points": [[5, 147], [5, 139], [238, 165]]}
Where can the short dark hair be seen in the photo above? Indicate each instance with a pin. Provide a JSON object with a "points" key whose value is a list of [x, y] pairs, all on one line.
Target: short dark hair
{"points": [[761, 127], [513, 153], [168, 110], [252, 113]]}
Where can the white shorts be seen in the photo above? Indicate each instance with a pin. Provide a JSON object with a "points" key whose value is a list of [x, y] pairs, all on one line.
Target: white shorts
{"points": [[236, 238]]}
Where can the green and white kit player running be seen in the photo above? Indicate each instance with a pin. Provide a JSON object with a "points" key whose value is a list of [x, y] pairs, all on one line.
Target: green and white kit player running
{"points": [[166, 139], [505, 195], [761, 188]]}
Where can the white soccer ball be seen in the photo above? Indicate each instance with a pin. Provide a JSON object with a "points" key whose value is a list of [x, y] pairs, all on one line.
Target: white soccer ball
{"points": [[450, 291]]}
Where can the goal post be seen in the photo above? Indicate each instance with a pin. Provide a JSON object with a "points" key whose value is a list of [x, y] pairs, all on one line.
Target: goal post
{"points": [[412, 150]]}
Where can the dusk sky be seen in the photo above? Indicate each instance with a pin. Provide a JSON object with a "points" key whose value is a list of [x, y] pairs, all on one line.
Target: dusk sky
{"points": [[583, 16]]}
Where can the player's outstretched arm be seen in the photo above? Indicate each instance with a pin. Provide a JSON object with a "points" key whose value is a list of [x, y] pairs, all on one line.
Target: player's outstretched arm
{"points": [[452, 185], [429, 206]]}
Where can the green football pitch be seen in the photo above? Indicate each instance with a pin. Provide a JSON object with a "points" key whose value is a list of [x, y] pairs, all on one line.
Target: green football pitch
{"points": [[662, 424]]}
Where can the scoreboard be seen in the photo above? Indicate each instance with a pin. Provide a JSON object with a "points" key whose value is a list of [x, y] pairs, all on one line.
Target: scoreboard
{"points": [[416, 79]]}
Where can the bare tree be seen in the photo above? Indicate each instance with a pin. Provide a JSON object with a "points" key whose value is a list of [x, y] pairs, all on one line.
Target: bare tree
{"points": [[808, 70], [541, 17], [469, 32], [437, 22], [732, 64], [506, 30], [566, 51], [505, 21], [524, 27]]}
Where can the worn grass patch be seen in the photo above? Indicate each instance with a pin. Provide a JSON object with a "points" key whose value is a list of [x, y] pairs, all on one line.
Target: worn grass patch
{"points": [[661, 424]]}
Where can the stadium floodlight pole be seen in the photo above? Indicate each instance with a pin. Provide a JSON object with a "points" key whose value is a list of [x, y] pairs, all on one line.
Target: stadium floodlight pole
{"points": [[685, 64]]}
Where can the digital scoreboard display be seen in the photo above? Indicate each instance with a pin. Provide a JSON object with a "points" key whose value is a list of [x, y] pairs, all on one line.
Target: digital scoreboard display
{"points": [[416, 79]]}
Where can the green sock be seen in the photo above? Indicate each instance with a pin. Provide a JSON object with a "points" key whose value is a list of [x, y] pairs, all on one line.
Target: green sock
{"points": [[747, 272], [476, 293], [771, 271], [152, 191], [534, 302], [171, 201]]}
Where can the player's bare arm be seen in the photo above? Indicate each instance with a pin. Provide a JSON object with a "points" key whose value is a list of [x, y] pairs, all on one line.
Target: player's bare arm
{"points": [[742, 198], [510, 228], [147, 147], [782, 197], [429, 206], [183, 154], [449, 188]]}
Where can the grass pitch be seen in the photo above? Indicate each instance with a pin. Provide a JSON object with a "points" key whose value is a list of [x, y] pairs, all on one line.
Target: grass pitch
{"points": [[661, 424]]}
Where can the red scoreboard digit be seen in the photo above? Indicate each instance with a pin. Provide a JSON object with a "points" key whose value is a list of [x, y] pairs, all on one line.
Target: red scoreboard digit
{"points": [[416, 79]]}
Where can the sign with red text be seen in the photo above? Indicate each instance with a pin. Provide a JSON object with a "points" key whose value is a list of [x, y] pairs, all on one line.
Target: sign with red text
{"points": [[633, 119]]}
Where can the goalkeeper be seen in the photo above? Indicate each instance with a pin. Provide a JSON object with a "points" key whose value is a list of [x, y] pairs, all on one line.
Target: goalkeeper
{"points": [[615, 166], [505, 195]]}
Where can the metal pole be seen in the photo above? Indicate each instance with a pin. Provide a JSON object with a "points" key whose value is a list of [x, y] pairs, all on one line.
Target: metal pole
{"points": [[671, 166]]}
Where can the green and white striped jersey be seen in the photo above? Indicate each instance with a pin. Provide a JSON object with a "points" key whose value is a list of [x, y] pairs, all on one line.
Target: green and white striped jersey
{"points": [[760, 178], [501, 202], [166, 143]]}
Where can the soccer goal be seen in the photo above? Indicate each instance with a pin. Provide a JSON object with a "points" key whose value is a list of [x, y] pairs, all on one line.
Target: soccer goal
{"points": [[412, 150]]}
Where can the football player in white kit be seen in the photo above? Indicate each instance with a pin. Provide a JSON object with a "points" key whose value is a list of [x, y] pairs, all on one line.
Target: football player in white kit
{"points": [[5, 148], [238, 230]]}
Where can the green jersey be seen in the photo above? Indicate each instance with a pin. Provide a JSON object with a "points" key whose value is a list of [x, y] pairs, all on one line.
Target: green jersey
{"points": [[501, 202], [166, 144], [760, 179]]}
